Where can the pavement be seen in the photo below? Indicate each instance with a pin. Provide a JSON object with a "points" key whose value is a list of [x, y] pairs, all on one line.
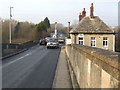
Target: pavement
{"points": [[62, 77]]}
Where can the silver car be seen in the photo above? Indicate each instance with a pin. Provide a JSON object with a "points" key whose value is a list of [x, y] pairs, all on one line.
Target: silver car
{"points": [[53, 43]]}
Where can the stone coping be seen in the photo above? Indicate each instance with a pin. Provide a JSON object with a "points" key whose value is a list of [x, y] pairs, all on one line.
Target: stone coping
{"points": [[110, 57], [107, 60]]}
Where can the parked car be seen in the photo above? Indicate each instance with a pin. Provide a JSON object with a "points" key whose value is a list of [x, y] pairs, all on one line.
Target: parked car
{"points": [[52, 43], [48, 38], [61, 40], [43, 42]]}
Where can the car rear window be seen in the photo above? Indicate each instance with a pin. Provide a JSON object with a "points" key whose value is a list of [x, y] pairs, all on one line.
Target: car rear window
{"points": [[53, 40]]}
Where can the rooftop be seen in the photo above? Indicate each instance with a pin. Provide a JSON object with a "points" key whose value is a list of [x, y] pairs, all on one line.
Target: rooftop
{"points": [[92, 25]]}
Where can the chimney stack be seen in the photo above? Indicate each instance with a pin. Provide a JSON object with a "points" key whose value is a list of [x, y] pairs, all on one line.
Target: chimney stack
{"points": [[80, 17], [83, 13], [91, 10]]}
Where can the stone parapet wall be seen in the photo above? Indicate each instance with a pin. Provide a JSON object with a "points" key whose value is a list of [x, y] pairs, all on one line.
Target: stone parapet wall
{"points": [[8, 48], [94, 67]]}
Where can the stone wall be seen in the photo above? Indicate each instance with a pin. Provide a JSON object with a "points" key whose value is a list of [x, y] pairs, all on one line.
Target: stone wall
{"points": [[93, 67], [12, 48]]}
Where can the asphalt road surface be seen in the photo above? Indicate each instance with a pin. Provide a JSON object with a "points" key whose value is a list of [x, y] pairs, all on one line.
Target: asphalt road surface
{"points": [[34, 68]]}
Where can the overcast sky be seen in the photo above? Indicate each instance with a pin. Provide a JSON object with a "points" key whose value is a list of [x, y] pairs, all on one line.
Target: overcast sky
{"points": [[60, 11]]}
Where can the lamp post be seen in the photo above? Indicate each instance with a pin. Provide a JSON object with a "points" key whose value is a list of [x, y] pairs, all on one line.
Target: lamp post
{"points": [[69, 29], [10, 27], [55, 29]]}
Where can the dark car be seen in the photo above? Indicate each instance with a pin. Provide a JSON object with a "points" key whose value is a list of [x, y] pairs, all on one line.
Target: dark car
{"points": [[43, 42]]}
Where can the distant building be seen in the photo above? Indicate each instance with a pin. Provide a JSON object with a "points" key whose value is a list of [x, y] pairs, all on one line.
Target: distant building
{"points": [[53, 35], [92, 31]]}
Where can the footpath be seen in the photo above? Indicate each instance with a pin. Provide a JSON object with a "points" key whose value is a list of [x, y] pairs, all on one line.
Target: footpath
{"points": [[62, 77]]}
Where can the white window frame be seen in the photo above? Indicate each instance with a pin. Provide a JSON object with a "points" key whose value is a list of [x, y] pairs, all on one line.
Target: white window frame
{"points": [[106, 41], [81, 36], [93, 42]]}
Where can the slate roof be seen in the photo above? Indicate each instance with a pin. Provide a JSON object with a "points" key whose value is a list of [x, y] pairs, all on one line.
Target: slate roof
{"points": [[92, 25]]}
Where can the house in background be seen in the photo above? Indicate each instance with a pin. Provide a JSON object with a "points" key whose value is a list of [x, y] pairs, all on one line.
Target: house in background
{"points": [[92, 31]]}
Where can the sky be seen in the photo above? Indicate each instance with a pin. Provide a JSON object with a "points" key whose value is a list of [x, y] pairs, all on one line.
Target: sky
{"points": [[61, 11]]}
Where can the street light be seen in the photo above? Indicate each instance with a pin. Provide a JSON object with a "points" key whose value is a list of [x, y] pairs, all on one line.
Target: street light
{"points": [[69, 29], [10, 28], [56, 30]]}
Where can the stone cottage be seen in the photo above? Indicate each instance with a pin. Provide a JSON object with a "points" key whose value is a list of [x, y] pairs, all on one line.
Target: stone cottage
{"points": [[92, 31]]}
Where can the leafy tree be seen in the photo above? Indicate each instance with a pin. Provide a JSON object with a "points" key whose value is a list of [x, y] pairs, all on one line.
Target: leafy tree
{"points": [[5, 31], [47, 22], [17, 27], [21, 31], [41, 27]]}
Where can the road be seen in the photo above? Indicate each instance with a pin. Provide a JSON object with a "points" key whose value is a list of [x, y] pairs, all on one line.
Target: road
{"points": [[34, 68]]}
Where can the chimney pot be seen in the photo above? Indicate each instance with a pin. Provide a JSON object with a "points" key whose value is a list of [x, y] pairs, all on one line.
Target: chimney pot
{"points": [[83, 13], [83, 9], [91, 10], [80, 17]]}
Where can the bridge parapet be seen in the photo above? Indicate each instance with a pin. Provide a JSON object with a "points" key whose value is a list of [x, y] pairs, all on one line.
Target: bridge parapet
{"points": [[8, 48], [94, 67]]}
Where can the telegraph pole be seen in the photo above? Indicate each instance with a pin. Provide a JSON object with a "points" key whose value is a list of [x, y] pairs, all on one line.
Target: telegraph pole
{"points": [[69, 29], [10, 26], [56, 29]]}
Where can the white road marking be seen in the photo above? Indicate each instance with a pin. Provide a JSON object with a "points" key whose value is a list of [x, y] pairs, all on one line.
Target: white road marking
{"points": [[16, 60], [19, 58]]}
